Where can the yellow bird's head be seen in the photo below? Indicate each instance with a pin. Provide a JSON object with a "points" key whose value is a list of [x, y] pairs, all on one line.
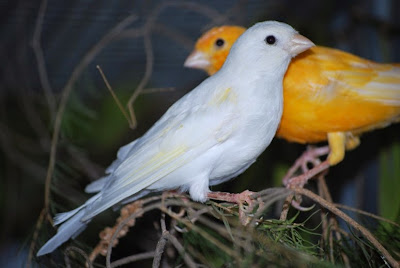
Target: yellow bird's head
{"points": [[213, 47]]}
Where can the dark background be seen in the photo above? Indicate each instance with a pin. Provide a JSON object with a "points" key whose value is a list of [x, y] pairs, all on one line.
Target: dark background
{"points": [[93, 128]]}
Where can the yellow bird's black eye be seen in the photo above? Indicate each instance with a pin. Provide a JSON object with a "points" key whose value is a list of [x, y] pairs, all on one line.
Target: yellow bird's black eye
{"points": [[220, 42], [270, 40]]}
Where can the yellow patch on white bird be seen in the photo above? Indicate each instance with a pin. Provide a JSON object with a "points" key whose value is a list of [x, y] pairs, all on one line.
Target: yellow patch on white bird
{"points": [[222, 96], [154, 163]]}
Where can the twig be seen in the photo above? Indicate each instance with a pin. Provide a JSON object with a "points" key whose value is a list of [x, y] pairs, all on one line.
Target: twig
{"points": [[326, 231], [130, 33], [124, 223], [145, 79], [161, 243], [194, 215], [226, 208], [323, 187], [362, 212], [157, 90], [35, 237], [38, 52], [186, 257], [171, 33], [324, 191], [335, 227], [133, 258], [114, 96], [285, 208], [80, 251], [108, 233], [350, 221], [330, 239]]}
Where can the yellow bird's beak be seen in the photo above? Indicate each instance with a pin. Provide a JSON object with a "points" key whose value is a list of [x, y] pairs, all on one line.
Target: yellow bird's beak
{"points": [[299, 44], [197, 60]]}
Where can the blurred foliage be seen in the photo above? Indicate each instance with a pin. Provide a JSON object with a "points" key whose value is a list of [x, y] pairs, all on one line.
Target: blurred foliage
{"points": [[96, 124], [389, 183]]}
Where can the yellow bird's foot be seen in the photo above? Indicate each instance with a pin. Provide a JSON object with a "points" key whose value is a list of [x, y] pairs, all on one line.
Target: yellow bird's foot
{"points": [[352, 141], [310, 156], [337, 144], [301, 180]]}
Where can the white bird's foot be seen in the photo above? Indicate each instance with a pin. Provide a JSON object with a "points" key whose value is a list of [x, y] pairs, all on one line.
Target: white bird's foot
{"points": [[243, 197], [232, 198]]}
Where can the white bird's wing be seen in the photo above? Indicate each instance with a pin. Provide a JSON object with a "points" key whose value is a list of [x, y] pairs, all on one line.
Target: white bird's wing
{"points": [[121, 155], [173, 115], [185, 132], [98, 184]]}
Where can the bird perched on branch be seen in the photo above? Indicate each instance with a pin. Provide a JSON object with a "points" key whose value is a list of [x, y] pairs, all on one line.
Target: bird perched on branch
{"points": [[212, 134], [329, 95]]}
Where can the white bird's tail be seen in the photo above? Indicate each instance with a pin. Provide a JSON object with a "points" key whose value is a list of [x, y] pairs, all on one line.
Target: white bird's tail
{"points": [[72, 225]]}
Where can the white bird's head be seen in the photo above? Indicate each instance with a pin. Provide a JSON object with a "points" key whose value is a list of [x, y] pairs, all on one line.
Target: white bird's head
{"points": [[266, 47]]}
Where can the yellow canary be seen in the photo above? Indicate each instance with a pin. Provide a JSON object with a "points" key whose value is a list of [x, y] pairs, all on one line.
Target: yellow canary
{"points": [[329, 95]]}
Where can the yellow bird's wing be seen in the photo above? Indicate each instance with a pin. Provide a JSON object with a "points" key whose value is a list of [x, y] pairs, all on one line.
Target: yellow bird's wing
{"points": [[334, 73], [328, 90], [367, 92], [370, 81]]}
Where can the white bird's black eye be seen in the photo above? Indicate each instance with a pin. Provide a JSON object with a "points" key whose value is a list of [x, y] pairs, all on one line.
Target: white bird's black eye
{"points": [[220, 42], [270, 39]]}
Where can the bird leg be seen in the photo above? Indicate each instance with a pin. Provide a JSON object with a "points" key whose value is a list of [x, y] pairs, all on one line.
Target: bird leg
{"points": [[301, 180], [338, 143], [321, 171], [310, 156]]}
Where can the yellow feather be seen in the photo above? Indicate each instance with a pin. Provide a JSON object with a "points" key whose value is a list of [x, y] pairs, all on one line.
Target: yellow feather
{"points": [[223, 96], [154, 163]]}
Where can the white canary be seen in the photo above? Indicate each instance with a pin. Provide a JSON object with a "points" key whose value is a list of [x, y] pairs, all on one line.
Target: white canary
{"points": [[212, 134]]}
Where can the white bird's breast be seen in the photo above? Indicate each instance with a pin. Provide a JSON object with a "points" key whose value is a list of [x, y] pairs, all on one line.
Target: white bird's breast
{"points": [[256, 119]]}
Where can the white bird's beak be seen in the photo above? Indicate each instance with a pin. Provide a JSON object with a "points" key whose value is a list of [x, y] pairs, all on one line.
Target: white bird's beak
{"points": [[197, 60], [299, 44]]}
